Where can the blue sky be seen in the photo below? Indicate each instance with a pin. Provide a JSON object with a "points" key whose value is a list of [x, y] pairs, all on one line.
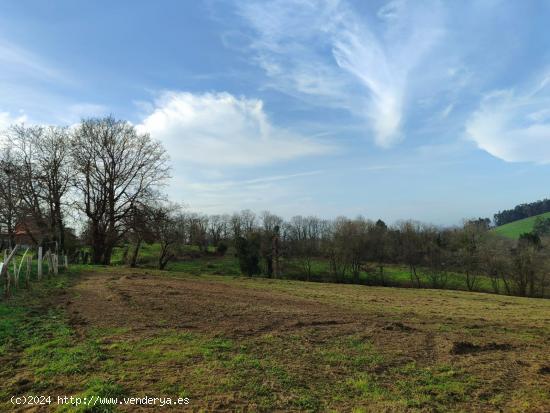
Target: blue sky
{"points": [[435, 111]]}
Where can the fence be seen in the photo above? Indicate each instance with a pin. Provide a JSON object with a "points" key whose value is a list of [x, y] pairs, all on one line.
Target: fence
{"points": [[16, 270]]}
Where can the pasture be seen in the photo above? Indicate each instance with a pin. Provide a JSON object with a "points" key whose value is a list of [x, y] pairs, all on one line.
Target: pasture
{"points": [[514, 229]]}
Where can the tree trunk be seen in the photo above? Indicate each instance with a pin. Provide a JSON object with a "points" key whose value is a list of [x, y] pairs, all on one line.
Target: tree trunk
{"points": [[135, 253]]}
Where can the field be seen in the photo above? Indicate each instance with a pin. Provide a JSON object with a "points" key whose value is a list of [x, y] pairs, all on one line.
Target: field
{"points": [[515, 229], [255, 344]]}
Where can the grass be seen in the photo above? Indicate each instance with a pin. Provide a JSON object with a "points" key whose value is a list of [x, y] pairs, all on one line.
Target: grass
{"points": [[515, 229], [315, 368], [196, 263]]}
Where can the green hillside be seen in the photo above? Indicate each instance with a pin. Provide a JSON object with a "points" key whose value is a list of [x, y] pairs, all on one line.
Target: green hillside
{"points": [[516, 228]]}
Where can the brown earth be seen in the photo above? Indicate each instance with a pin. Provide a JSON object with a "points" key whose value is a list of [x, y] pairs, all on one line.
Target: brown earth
{"points": [[145, 304]]}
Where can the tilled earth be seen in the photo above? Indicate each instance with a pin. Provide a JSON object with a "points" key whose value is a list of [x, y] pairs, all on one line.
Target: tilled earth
{"points": [[507, 367], [241, 344]]}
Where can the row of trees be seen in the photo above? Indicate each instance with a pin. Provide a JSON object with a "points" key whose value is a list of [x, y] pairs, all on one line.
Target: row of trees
{"points": [[522, 211], [269, 245], [102, 170]]}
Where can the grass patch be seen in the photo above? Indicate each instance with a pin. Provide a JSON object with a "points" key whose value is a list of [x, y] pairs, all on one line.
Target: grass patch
{"points": [[515, 229]]}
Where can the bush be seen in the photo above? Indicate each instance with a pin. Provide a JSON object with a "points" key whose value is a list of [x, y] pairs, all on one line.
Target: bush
{"points": [[221, 249], [248, 252]]}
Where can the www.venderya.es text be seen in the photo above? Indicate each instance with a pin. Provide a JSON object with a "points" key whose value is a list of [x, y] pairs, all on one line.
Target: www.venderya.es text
{"points": [[99, 400]]}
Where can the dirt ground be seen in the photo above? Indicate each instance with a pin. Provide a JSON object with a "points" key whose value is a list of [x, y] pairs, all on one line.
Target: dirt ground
{"points": [[508, 356]]}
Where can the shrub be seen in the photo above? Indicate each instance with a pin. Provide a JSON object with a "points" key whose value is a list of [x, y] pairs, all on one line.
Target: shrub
{"points": [[221, 249]]}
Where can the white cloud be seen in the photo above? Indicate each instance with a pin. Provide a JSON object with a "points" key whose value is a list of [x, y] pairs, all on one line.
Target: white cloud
{"points": [[222, 130], [6, 120], [512, 126], [367, 71]]}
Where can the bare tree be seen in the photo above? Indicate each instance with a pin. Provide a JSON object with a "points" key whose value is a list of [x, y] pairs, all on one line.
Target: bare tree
{"points": [[412, 248], [304, 234], [217, 228], [10, 202], [117, 168], [470, 239], [139, 229], [166, 221]]}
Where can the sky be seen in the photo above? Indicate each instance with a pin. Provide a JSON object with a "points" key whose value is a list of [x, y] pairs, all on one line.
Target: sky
{"points": [[426, 110]]}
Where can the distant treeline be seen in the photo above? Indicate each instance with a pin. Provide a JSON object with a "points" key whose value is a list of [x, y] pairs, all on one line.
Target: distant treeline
{"points": [[522, 211]]}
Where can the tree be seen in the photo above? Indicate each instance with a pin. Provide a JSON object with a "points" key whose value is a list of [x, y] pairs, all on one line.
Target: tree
{"points": [[117, 169], [10, 201], [412, 247], [495, 262], [527, 260], [437, 257], [55, 174], [470, 239], [43, 178], [140, 228], [218, 226], [304, 235], [335, 249], [248, 253], [378, 246], [541, 226], [166, 223]]}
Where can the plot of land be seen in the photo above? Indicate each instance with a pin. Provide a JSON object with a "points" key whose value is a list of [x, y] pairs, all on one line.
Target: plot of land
{"points": [[257, 344]]}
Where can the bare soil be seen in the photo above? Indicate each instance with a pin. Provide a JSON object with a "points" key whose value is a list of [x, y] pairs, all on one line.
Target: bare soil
{"points": [[144, 304]]}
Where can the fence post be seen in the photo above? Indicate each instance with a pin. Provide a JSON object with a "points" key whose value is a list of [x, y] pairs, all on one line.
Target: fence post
{"points": [[66, 261], [48, 256], [18, 270], [55, 264], [39, 263], [4, 269], [15, 274], [28, 272]]}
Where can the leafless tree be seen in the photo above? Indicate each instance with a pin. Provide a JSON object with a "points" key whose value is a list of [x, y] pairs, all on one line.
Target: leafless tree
{"points": [[117, 168], [10, 202], [168, 231]]}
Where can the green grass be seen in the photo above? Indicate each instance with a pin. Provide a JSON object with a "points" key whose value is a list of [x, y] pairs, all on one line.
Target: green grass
{"points": [[212, 264], [305, 369], [515, 229]]}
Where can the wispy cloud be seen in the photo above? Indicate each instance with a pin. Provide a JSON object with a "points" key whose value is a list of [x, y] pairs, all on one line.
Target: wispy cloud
{"points": [[18, 61], [367, 70], [40, 86], [514, 125], [255, 183], [280, 193]]}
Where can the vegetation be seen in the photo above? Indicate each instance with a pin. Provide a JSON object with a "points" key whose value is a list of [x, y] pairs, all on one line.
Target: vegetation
{"points": [[355, 251], [103, 167], [522, 211], [514, 229], [316, 347]]}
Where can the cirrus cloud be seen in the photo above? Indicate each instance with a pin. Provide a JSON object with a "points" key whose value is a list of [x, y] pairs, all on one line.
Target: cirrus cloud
{"points": [[329, 53], [220, 129], [514, 126]]}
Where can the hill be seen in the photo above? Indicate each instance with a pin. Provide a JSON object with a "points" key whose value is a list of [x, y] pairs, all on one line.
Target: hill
{"points": [[515, 229]]}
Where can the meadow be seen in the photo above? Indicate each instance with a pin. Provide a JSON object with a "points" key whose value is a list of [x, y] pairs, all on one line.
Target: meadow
{"points": [[197, 263], [514, 229], [233, 343]]}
